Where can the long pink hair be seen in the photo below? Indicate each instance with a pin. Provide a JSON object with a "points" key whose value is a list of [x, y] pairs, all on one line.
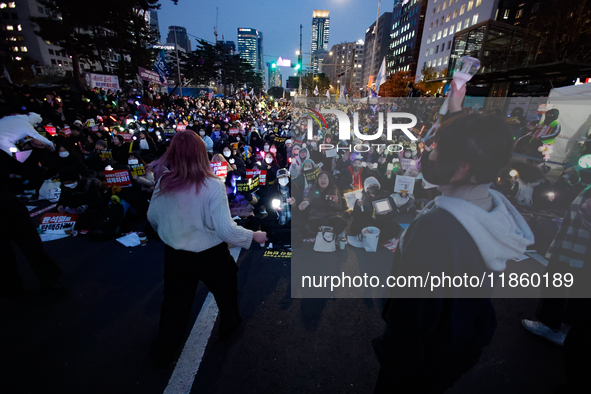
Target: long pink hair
{"points": [[186, 161]]}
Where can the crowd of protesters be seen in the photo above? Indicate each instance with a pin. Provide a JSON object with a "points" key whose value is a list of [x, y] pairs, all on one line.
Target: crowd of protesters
{"points": [[278, 178]]}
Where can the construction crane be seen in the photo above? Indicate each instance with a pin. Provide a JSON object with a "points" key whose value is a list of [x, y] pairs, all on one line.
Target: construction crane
{"points": [[215, 29]]}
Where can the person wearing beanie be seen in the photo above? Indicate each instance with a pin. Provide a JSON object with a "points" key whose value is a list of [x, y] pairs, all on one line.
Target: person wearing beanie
{"points": [[364, 214]]}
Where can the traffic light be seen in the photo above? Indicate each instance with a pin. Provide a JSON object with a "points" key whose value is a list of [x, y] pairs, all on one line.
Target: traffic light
{"points": [[273, 65], [297, 66]]}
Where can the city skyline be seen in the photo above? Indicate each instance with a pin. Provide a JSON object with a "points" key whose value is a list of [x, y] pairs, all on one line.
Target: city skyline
{"points": [[199, 20]]}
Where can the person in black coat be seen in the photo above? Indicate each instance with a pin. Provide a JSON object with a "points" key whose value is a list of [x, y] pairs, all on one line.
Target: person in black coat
{"points": [[434, 336]]}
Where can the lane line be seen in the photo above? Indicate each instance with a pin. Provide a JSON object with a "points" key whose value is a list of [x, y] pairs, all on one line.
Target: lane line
{"points": [[190, 359]]}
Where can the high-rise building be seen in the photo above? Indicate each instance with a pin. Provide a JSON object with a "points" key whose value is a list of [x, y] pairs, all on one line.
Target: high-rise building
{"points": [[182, 39], [408, 18], [443, 19], [343, 65], [320, 33], [21, 41], [274, 77], [250, 47], [382, 45], [152, 21]]}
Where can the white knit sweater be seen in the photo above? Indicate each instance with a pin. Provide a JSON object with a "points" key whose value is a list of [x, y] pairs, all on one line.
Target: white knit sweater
{"points": [[195, 222]]}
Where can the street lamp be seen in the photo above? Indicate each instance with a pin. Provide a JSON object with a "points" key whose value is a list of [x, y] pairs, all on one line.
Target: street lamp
{"points": [[297, 52]]}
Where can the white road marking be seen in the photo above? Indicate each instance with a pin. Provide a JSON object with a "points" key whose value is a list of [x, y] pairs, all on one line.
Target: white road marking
{"points": [[188, 363]]}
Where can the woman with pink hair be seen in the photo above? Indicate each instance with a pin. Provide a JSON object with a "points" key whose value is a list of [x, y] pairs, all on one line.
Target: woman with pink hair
{"points": [[190, 212]]}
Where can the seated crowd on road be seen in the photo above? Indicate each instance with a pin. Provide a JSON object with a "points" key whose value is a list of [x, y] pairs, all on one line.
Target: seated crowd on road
{"points": [[317, 182]]}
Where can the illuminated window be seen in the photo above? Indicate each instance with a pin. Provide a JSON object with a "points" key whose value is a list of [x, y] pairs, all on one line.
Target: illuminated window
{"points": [[519, 14], [506, 14], [427, 52], [431, 51], [448, 17], [436, 23], [470, 5], [439, 62], [15, 49], [451, 29], [444, 6], [429, 40], [2, 5], [429, 63], [455, 14], [12, 38], [462, 9], [9, 27], [478, 2], [475, 19], [18, 58], [459, 27], [445, 60], [23, 49], [466, 23], [433, 39], [445, 32], [19, 28], [439, 35], [11, 4], [438, 9]]}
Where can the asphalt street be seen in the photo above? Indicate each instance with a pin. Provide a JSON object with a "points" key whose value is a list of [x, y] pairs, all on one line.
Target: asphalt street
{"points": [[96, 338]]}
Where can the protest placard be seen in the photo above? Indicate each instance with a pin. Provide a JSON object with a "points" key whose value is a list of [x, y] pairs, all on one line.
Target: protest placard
{"points": [[352, 197], [262, 174], [247, 185], [404, 184], [181, 127], [407, 163], [126, 136], [219, 168], [106, 154], [51, 130], [311, 175], [57, 221], [117, 178], [138, 170], [279, 140]]}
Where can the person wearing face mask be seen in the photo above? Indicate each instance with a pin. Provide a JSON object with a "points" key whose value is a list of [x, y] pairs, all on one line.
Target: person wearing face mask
{"points": [[278, 204], [271, 166], [304, 181], [98, 160], [68, 157], [470, 230], [354, 176], [364, 214], [296, 165], [325, 205], [146, 181], [236, 163], [206, 140], [80, 196], [255, 141]]}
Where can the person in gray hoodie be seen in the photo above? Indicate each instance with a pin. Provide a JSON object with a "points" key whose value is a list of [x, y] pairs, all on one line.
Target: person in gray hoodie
{"points": [[430, 341]]}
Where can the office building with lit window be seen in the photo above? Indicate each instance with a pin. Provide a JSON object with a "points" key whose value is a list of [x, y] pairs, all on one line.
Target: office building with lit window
{"points": [[382, 45], [408, 18], [343, 65], [443, 19], [250, 47], [319, 44]]}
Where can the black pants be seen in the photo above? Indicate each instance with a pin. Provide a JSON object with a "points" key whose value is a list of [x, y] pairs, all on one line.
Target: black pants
{"points": [[16, 225], [182, 272]]}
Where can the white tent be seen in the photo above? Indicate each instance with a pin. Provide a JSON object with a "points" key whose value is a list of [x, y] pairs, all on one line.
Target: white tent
{"points": [[574, 104]]}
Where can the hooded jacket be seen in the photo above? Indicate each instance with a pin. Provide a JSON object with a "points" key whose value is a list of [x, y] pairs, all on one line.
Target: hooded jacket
{"points": [[456, 237]]}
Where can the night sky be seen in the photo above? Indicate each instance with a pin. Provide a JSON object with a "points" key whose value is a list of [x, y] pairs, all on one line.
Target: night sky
{"points": [[279, 21]]}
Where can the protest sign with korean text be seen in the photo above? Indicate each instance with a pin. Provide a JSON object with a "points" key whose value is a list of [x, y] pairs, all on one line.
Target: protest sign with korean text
{"points": [[137, 170], [262, 174], [57, 221], [404, 184], [117, 178], [219, 168]]}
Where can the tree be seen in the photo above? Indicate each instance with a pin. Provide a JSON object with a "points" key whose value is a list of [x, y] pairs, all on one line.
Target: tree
{"points": [[428, 74], [91, 30], [310, 81], [396, 85], [566, 31]]}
